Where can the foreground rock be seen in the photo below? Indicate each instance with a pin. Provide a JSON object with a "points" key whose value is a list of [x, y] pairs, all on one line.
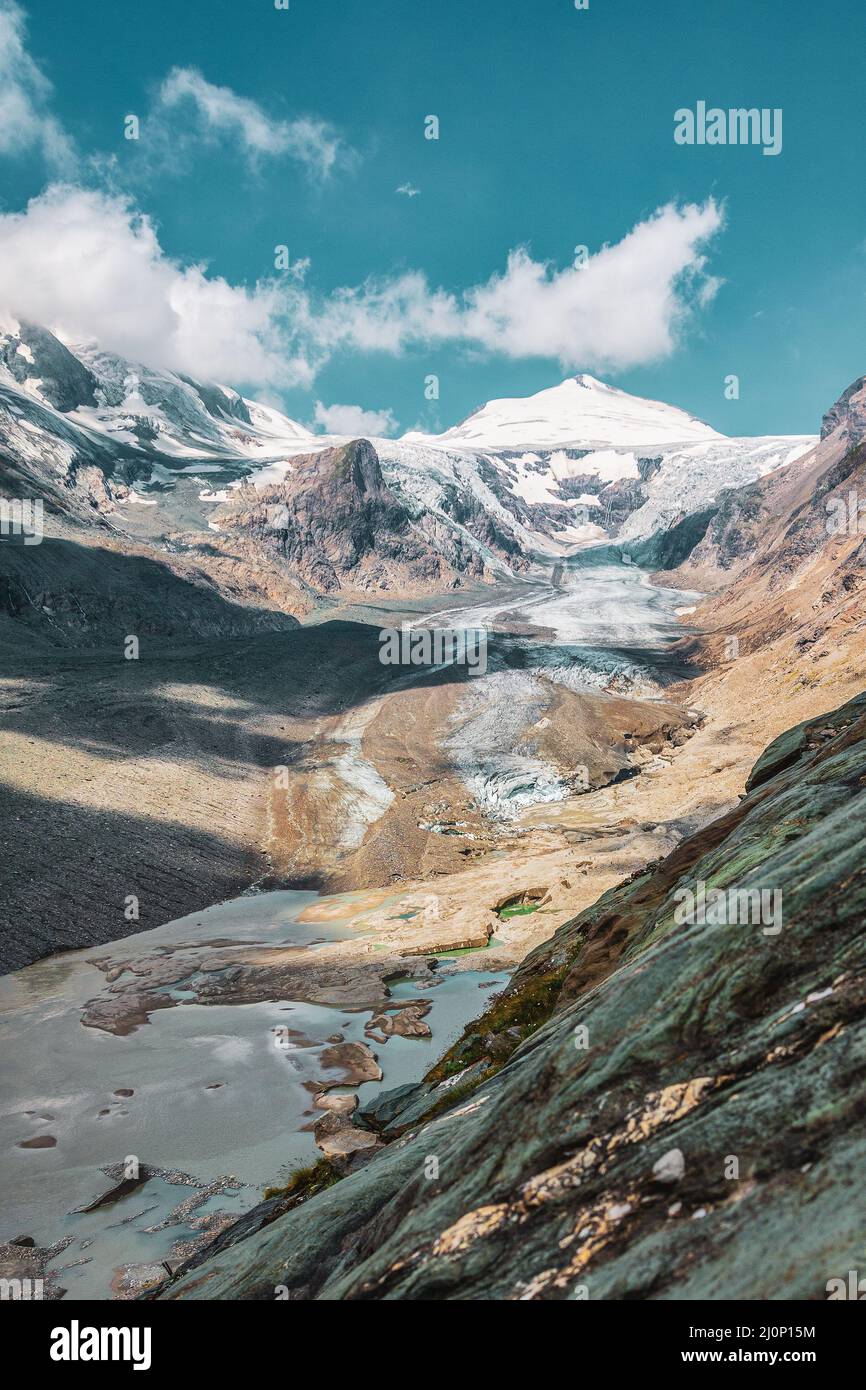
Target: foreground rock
{"points": [[338, 1105], [338, 1138], [681, 1114], [354, 1060], [403, 1023]]}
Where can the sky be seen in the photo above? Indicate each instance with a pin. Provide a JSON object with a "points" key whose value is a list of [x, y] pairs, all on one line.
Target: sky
{"points": [[408, 257]]}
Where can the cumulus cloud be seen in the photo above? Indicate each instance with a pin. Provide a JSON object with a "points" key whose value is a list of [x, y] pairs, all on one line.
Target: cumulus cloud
{"points": [[89, 266], [221, 112], [88, 263], [353, 419], [386, 315], [25, 120], [623, 307]]}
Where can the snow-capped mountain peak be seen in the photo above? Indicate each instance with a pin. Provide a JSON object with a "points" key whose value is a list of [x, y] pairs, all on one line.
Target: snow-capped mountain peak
{"points": [[581, 412], [575, 463], [152, 410]]}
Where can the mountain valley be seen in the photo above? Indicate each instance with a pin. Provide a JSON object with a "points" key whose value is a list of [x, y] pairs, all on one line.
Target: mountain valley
{"points": [[244, 825]]}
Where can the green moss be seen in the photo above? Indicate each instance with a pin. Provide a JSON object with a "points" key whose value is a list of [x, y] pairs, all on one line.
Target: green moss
{"points": [[517, 1015], [306, 1182]]}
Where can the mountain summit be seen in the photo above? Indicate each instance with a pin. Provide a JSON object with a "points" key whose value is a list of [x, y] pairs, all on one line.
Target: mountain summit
{"points": [[580, 411]]}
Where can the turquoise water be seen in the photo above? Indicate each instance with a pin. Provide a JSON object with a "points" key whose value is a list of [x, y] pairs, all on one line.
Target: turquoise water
{"points": [[214, 1096]]}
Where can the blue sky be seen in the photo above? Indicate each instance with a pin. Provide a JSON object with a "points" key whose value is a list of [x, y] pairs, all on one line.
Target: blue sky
{"points": [[556, 130]]}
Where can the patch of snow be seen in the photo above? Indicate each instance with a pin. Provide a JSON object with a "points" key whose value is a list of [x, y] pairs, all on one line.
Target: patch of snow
{"points": [[366, 794]]}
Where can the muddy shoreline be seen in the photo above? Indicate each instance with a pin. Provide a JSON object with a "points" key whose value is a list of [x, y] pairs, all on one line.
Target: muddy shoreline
{"points": [[197, 1081]]}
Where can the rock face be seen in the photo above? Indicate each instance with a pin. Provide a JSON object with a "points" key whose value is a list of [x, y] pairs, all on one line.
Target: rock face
{"points": [[679, 1114], [775, 525], [335, 524], [80, 427], [63, 381], [72, 591], [109, 447], [786, 559], [848, 414], [354, 1060]]}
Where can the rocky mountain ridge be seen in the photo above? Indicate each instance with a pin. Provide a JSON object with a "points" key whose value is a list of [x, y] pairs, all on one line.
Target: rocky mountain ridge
{"points": [[333, 521], [147, 454], [785, 554]]}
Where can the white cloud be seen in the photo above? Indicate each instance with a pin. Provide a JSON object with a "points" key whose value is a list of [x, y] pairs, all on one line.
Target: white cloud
{"points": [[354, 420], [385, 315], [220, 111], [25, 121], [624, 307], [408, 189], [89, 266]]}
